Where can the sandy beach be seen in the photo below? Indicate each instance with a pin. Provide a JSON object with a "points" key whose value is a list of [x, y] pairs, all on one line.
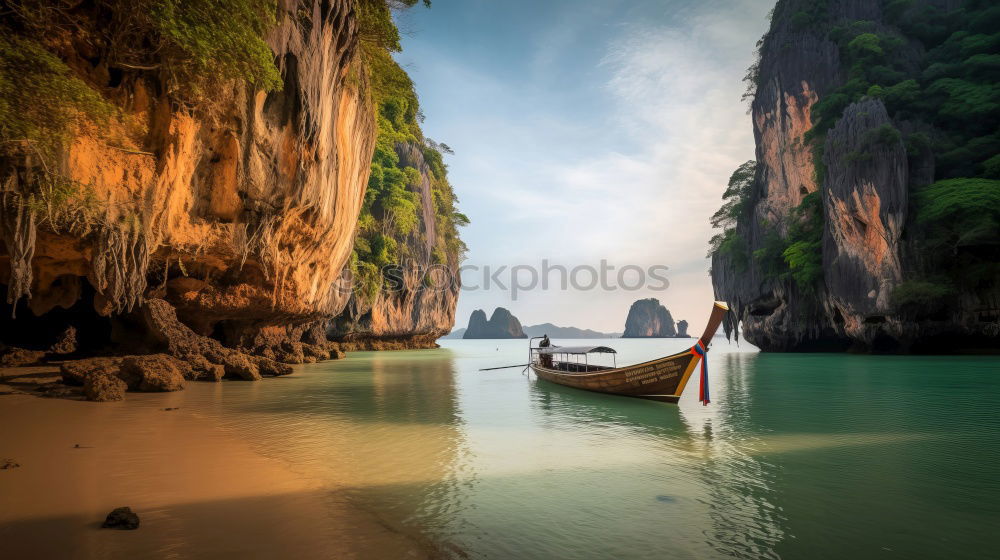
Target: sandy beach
{"points": [[200, 490]]}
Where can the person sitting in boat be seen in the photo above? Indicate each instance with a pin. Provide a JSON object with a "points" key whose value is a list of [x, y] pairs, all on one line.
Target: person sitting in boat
{"points": [[545, 358]]}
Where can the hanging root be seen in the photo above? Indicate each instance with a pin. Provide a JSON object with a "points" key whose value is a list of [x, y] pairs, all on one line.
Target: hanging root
{"points": [[121, 259], [17, 228]]}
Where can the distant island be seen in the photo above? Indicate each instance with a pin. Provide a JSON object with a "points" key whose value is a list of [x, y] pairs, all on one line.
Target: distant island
{"points": [[647, 318], [566, 332], [503, 326]]}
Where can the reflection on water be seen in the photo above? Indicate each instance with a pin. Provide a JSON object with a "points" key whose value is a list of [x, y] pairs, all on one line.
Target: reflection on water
{"points": [[814, 456]]}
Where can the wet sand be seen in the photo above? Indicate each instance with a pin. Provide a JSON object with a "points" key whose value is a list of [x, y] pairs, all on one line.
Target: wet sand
{"points": [[201, 491]]}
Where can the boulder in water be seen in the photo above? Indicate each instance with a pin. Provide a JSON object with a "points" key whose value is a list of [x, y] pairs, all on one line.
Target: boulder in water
{"points": [[153, 373], [121, 518], [104, 388]]}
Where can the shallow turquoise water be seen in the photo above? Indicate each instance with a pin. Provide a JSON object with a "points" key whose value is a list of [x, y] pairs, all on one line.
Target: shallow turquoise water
{"points": [[798, 456]]}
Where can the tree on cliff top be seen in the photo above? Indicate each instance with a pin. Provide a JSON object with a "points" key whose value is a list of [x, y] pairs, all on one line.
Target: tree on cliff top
{"points": [[735, 200]]}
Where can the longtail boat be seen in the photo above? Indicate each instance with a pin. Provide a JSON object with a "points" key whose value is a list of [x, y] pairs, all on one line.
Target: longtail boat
{"points": [[662, 379]]}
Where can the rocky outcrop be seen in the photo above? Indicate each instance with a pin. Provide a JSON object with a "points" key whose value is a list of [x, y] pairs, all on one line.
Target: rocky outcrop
{"points": [[104, 388], [17, 357], [500, 325], [867, 173], [176, 353], [153, 373], [416, 305], [648, 319], [682, 329], [865, 201], [76, 372]]}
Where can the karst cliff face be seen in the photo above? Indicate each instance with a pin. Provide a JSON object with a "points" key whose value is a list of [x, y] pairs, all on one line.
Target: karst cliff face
{"points": [[416, 305], [843, 286], [237, 207], [502, 324]]}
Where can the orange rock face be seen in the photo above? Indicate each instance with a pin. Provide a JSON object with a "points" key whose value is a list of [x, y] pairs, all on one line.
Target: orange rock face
{"points": [[239, 208]]}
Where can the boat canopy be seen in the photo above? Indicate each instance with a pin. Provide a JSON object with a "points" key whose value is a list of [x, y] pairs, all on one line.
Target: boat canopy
{"points": [[576, 350]]}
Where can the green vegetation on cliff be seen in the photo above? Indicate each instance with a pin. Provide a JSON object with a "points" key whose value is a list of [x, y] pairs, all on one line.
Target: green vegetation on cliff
{"points": [[938, 73], [191, 44], [204, 39], [940, 68], [959, 235], [392, 207], [804, 251], [41, 99], [735, 200]]}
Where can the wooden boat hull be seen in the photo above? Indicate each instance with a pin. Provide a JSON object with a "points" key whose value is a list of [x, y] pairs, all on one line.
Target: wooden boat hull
{"points": [[662, 379]]}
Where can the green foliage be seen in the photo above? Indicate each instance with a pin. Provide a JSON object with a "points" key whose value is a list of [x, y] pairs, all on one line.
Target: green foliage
{"points": [[731, 245], [991, 167], [825, 113], [884, 136], [870, 74], [955, 87], [920, 293], [964, 101], [959, 231], [809, 15], [922, 298], [736, 196], [900, 95], [392, 210], [735, 200], [41, 99], [217, 38], [367, 279], [376, 28], [751, 79], [798, 256], [804, 253], [961, 212], [865, 45], [769, 257], [195, 42]]}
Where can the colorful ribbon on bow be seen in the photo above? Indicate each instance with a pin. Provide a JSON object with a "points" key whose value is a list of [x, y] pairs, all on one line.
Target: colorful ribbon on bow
{"points": [[699, 350]]}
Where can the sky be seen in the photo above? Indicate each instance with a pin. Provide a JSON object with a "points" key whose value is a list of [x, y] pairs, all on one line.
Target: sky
{"points": [[586, 131]]}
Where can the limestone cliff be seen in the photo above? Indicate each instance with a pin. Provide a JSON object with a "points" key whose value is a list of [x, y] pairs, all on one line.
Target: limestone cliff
{"points": [[500, 325], [831, 246], [227, 185], [648, 319], [416, 305]]}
